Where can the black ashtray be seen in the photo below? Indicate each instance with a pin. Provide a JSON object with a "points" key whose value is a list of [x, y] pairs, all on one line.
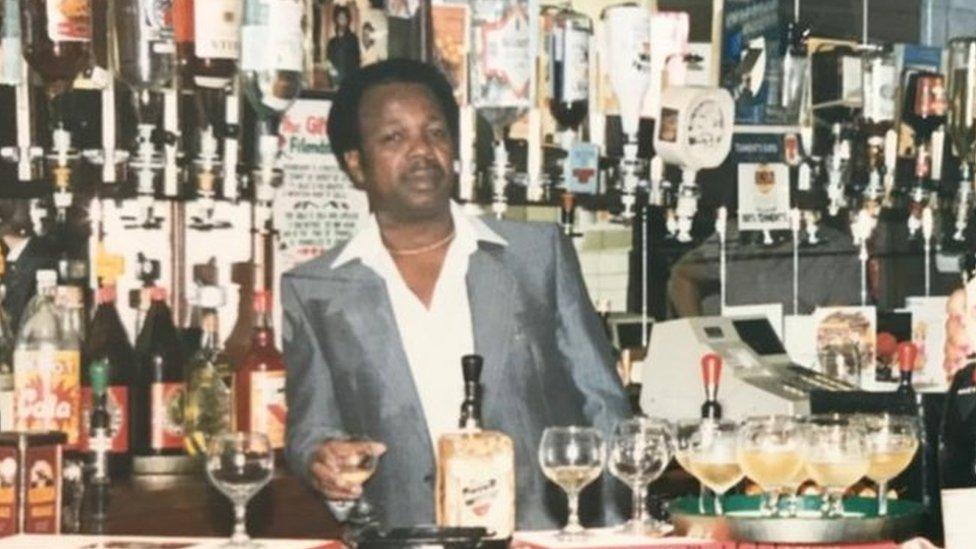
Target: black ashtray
{"points": [[428, 536]]}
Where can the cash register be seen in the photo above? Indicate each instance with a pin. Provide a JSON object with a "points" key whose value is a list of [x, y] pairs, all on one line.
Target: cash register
{"points": [[758, 378]]}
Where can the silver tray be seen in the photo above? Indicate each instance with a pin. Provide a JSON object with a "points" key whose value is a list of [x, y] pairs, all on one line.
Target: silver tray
{"points": [[742, 521]]}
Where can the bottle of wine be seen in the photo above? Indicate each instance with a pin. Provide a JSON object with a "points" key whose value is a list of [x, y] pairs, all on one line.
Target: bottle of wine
{"points": [[711, 367], [56, 37], [158, 391], [99, 426], [272, 54], [209, 406], [46, 372], [261, 379], [108, 343], [476, 467], [907, 354]]}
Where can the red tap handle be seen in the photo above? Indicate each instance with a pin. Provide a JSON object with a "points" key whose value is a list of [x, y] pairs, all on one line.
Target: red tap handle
{"points": [[711, 365], [907, 353]]}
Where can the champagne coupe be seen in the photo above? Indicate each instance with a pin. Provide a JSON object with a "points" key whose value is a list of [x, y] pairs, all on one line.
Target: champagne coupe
{"points": [[769, 453], [572, 457], [640, 450], [357, 468], [239, 465], [837, 456], [892, 442], [713, 458], [685, 433]]}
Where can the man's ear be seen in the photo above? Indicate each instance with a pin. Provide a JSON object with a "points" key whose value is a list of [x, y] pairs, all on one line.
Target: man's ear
{"points": [[354, 168]]}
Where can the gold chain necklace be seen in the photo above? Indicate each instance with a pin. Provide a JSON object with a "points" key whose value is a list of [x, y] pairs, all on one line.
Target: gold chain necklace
{"points": [[422, 249]]}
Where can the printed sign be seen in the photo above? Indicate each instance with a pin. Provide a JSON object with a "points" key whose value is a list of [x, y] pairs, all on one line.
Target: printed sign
{"points": [[764, 197]]}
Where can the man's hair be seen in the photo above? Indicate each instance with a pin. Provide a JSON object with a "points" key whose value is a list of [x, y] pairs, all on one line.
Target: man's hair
{"points": [[15, 217], [341, 8], [343, 126]]}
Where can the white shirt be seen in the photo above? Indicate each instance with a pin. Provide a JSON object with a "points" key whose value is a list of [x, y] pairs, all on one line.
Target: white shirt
{"points": [[14, 252], [434, 339]]}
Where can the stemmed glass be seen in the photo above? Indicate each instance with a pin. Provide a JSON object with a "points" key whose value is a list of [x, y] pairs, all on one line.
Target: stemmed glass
{"points": [[837, 457], [685, 433], [640, 450], [357, 468], [713, 458], [892, 442], [239, 465], [572, 457], [770, 454]]}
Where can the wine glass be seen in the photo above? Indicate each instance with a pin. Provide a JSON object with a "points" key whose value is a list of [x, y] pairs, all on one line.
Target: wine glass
{"points": [[572, 457], [685, 433], [356, 468], [892, 442], [713, 458], [837, 456], [239, 465], [640, 450], [769, 453]]}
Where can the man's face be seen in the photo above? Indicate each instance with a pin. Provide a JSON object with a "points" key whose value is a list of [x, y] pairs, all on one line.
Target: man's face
{"points": [[405, 162]]}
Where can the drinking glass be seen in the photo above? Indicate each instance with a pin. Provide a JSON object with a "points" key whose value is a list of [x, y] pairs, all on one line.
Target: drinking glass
{"points": [[713, 458], [892, 442], [640, 450], [572, 457], [685, 433], [837, 456], [239, 465], [770, 454]]}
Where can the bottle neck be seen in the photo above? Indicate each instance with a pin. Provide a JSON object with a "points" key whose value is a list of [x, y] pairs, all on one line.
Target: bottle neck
{"points": [[210, 339], [263, 336], [471, 407]]}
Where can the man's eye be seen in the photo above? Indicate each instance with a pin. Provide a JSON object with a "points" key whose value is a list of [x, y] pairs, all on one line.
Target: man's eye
{"points": [[391, 137], [439, 133]]}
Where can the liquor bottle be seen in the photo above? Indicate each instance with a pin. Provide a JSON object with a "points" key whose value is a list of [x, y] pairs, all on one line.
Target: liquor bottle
{"points": [[99, 449], [46, 372], [271, 54], [158, 392], [209, 405], [215, 45], [144, 44], [476, 467], [711, 367], [907, 353], [108, 343], [260, 381], [47, 281], [568, 46], [56, 38]]}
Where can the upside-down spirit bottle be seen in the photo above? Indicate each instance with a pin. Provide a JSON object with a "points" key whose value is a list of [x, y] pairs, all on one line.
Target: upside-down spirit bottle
{"points": [[568, 46], [271, 59], [56, 36], [144, 44], [476, 467], [260, 381]]}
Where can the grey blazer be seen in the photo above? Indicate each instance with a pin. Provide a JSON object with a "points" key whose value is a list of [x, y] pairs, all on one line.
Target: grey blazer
{"points": [[547, 362]]}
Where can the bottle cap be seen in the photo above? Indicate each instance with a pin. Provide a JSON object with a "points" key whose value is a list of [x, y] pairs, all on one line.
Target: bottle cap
{"points": [[262, 301], [98, 373], [471, 367], [907, 353], [106, 294], [157, 293], [711, 366]]}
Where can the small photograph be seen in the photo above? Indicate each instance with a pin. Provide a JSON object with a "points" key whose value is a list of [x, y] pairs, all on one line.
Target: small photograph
{"points": [[846, 342], [336, 46]]}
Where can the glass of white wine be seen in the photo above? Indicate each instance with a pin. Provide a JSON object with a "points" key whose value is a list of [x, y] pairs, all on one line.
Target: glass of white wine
{"points": [[239, 465], [356, 468], [713, 459], [769, 451], [892, 442], [685, 433], [837, 456], [572, 457], [640, 450]]}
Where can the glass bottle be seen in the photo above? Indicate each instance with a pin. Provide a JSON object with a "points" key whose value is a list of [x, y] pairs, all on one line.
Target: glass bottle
{"points": [[568, 47], [99, 425], [47, 281], [215, 45], [209, 404], [261, 403], [108, 343], [272, 54], [55, 37], [158, 390], [144, 44]]}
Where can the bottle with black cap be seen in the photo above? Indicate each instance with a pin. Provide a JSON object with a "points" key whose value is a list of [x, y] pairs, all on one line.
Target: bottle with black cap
{"points": [[99, 445], [476, 467]]}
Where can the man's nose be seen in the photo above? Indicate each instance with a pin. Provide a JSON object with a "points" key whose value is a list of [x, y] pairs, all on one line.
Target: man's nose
{"points": [[422, 145]]}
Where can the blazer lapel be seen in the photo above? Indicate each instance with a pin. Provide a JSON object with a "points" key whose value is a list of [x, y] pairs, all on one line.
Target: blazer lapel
{"points": [[491, 292]]}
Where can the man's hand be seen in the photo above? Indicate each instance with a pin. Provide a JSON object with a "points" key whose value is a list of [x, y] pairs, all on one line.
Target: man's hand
{"points": [[335, 468]]}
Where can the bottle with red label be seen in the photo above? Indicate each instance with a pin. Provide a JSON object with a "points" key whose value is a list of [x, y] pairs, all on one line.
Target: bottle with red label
{"points": [[56, 37], [108, 342], [261, 379], [157, 391]]}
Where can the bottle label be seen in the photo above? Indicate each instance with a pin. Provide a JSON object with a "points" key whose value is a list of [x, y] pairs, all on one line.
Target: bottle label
{"points": [[166, 416], [8, 491], [268, 408], [157, 20], [68, 21], [42, 506], [219, 23], [117, 401], [48, 393], [271, 36], [571, 47], [480, 491], [504, 64], [183, 20]]}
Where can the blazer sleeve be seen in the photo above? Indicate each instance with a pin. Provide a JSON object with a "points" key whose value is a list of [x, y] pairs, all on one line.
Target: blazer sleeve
{"points": [[587, 354], [313, 415]]}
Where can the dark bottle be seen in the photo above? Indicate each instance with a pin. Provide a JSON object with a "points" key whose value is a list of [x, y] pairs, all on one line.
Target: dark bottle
{"points": [[261, 379], [108, 342], [56, 37], [100, 441], [711, 366], [567, 45], [158, 391], [907, 353]]}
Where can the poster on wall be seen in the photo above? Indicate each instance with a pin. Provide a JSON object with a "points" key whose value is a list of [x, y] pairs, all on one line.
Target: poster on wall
{"points": [[764, 197], [846, 343]]}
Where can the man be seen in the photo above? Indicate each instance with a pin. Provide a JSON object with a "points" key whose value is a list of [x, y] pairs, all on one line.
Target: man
{"points": [[343, 48], [374, 330]]}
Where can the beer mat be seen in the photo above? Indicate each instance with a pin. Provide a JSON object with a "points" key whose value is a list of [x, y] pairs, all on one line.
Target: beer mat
{"points": [[20, 541], [607, 538]]}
